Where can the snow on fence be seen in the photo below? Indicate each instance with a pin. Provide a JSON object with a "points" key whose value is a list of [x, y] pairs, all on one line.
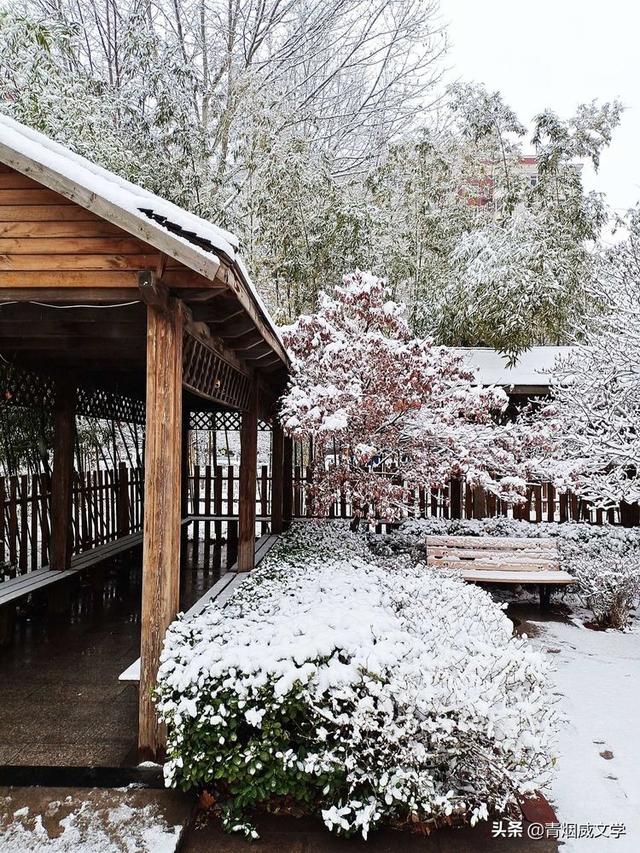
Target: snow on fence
{"points": [[108, 504]]}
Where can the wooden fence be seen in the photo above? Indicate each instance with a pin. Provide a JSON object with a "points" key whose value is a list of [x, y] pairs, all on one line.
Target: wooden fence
{"points": [[214, 493], [108, 504]]}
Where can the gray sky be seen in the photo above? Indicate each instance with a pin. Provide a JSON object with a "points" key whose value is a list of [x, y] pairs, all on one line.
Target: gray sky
{"points": [[558, 53]]}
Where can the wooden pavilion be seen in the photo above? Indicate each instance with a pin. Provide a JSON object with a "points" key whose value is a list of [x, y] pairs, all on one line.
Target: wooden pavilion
{"points": [[115, 298]]}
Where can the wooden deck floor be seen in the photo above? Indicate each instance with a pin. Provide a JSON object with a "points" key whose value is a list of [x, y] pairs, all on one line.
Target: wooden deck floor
{"points": [[62, 703]]}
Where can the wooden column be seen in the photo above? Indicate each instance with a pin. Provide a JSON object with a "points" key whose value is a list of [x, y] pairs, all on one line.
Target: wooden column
{"points": [[161, 542], [287, 482], [277, 474], [62, 477], [247, 496]]}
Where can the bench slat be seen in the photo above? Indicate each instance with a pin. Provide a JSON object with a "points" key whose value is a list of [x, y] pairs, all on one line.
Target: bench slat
{"points": [[6, 596], [30, 582], [492, 543], [558, 578], [518, 556]]}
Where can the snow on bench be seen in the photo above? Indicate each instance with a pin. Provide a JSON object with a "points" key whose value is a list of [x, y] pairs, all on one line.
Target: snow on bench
{"points": [[499, 559]]}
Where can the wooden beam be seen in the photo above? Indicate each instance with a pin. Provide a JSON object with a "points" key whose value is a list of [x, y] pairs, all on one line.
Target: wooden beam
{"points": [[151, 291], [52, 293], [277, 476], [161, 542], [200, 331], [62, 479], [247, 497]]}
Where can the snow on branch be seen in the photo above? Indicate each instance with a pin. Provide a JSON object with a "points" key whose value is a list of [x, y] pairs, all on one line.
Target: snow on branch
{"points": [[388, 412]]}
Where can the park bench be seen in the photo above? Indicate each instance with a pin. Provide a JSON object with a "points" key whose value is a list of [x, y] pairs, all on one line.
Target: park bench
{"points": [[501, 560], [219, 592], [12, 590]]}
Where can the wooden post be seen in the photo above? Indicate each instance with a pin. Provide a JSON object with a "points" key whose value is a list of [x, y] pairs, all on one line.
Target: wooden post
{"points": [[455, 497], [277, 477], [287, 482], [62, 479], [122, 500], [161, 538], [247, 495]]}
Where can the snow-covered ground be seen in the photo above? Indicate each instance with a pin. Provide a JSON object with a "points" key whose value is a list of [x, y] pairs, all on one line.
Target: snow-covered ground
{"points": [[95, 821], [597, 681]]}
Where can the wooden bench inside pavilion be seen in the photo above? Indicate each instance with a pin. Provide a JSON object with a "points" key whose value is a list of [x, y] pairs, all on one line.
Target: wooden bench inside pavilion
{"points": [[115, 303]]}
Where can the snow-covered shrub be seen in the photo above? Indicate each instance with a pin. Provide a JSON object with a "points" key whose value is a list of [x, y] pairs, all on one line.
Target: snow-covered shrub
{"points": [[362, 689], [609, 587], [607, 569]]}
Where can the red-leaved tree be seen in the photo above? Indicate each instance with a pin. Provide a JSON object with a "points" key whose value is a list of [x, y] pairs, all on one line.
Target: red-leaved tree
{"points": [[387, 412]]}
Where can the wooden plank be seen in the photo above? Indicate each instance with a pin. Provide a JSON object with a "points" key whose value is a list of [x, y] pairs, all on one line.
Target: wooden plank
{"points": [[6, 596], [162, 522], [62, 479], [486, 554], [208, 511], [14, 180], [556, 578], [63, 278], [492, 543], [13, 522], [506, 565], [217, 505], [551, 503], [264, 497], [287, 481], [81, 294], [247, 494], [45, 512], [196, 512], [73, 246], [63, 212], [31, 195], [23, 564], [91, 227], [3, 526], [51, 262]]}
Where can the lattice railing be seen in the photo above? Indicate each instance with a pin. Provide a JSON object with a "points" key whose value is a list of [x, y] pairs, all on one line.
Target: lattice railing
{"points": [[31, 390], [205, 372], [210, 421]]}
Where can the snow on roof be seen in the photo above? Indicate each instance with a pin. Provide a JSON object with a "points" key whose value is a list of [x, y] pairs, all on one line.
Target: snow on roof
{"points": [[531, 368], [169, 228]]}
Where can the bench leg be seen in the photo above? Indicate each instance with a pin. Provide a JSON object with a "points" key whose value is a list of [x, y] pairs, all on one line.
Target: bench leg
{"points": [[59, 598], [545, 595]]}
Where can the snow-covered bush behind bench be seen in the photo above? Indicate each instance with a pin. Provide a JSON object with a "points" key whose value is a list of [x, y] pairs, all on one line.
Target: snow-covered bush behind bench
{"points": [[361, 689], [604, 559]]}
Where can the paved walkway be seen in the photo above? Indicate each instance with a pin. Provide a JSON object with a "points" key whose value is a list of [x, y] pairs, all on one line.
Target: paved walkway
{"points": [[62, 703]]}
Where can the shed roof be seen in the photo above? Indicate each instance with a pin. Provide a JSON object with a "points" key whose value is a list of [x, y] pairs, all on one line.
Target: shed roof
{"points": [[529, 374]]}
